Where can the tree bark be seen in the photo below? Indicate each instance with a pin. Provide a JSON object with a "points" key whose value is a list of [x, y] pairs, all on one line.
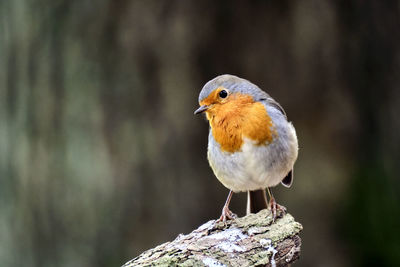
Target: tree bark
{"points": [[253, 240]]}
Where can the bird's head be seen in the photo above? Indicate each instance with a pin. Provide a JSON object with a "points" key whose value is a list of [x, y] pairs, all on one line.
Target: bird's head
{"points": [[227, 91]]}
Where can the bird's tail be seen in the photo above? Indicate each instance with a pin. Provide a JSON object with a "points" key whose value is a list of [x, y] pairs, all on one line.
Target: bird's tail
{"points": [[256, 201]]}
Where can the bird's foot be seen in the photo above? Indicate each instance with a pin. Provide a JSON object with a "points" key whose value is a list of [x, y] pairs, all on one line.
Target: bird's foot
{"points": [[275, 207], [226, 215]]}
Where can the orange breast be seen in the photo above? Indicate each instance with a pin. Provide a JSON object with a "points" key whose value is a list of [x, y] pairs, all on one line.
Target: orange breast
{"points": [[240, 116]]}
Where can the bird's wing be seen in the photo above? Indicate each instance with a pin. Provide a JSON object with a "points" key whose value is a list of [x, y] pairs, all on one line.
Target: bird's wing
{"points": [[276, 105], [288, 180], [271, 102]]}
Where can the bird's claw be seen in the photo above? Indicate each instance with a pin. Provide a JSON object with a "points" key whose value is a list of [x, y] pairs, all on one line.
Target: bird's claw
{"points": [[275, 207], [226, 215]]}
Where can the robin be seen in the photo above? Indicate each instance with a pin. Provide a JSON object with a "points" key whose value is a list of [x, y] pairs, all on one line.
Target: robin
{"points": [[251, 144]]}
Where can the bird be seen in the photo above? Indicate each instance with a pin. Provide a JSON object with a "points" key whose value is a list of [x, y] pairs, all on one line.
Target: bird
{"points": [[251, 144]]}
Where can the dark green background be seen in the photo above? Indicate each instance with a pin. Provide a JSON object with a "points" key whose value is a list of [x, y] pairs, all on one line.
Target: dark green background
{"points": [[101, 156]]}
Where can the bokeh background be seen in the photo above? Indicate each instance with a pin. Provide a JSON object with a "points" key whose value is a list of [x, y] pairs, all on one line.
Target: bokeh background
{"points": [[101, 156]]}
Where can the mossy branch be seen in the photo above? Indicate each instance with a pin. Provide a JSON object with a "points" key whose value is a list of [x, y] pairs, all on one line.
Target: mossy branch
{"points": [[247, 241]]}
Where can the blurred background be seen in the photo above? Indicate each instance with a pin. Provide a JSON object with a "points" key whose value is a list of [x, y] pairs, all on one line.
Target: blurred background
{"points": [[101, 156]]}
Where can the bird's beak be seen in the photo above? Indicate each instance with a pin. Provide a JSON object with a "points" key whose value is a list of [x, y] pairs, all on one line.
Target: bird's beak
{"points": [[201, 109]]}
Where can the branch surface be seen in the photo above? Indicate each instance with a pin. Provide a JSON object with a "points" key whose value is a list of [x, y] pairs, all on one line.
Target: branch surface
{"points": [[253, 240]]}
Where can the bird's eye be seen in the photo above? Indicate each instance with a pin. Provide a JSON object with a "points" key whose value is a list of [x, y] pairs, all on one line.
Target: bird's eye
{"points": [[223, 94]]}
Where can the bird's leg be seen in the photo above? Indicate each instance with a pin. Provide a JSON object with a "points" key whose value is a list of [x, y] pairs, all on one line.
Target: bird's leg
{"points": [[274, 206], [226, 213]]}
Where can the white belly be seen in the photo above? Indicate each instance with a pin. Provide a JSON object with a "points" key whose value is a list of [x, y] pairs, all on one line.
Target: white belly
{"points": [[255, 166]]}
